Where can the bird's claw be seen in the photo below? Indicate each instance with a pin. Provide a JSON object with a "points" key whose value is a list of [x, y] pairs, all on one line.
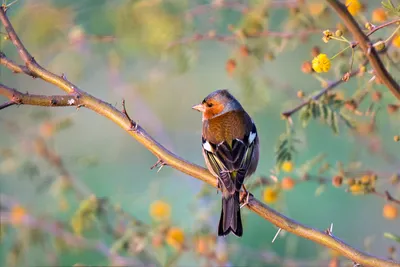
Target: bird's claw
{"points": [[245, 199]]}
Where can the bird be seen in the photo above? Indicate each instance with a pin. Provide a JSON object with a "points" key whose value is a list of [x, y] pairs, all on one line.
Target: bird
{"points": [[230, 147]]}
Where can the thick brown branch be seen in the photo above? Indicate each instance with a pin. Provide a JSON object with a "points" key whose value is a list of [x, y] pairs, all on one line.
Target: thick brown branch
{"points": [[191, 169], [18, 98], [365, 44]]}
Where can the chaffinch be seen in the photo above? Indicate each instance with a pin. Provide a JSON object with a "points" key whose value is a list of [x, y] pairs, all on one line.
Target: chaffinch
{"points": [[231, 150]]}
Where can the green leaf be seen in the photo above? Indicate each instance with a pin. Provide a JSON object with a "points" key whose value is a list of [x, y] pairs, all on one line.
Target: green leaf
{"points": [[283, 144], [392, 236], [285, 147], [305, 115], [348, 121], [334, 123], [315, 110], [307, 166], [388, 5]]}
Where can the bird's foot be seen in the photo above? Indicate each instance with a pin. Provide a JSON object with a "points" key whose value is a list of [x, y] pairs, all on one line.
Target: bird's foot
{"points": [[245, 199]]}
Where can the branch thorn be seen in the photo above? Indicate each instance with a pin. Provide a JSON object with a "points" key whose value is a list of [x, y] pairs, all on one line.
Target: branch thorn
{"points": [[329, 231], [276, 235], [159, 164], [133, 125]]}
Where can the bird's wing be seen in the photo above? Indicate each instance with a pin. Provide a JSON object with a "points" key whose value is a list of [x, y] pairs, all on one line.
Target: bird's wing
{"points": [[227, 159], [250, 142]]}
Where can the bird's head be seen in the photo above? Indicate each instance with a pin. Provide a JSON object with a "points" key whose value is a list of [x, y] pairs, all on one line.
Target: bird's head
{"points": [[217, 103]]}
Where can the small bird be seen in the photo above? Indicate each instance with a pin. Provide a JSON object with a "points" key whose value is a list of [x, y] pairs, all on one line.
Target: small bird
{"points": [[231, 149]]}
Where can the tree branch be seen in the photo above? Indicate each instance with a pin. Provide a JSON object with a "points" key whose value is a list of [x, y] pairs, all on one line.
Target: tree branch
{"points": [[367, 47], [7, 104], [330, 87], [18, 98], [184, 166]]}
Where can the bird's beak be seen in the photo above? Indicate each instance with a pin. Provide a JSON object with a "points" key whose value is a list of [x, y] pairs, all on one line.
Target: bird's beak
{"points": [[199, 107]]}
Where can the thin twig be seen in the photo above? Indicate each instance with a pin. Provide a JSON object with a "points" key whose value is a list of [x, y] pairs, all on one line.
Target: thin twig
{"points": [[7, 104], [330, 87]]}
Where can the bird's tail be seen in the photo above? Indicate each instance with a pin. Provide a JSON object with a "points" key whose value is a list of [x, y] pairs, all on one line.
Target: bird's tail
{"points": [[230, 220]]}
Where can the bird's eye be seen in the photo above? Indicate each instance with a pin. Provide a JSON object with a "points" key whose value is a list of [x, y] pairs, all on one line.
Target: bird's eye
{"points": [[209, 105]]}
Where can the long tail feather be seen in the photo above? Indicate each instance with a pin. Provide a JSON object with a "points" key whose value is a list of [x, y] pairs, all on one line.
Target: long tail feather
{"points": [[230, 220]]}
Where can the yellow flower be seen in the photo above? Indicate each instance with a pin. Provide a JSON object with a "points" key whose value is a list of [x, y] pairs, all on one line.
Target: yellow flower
{"points": [[175, 237], [18, 213], [396, 41], [160, 210], [270, 195], [379, 15], [316, 8], [288, 183], [353, 6], [390, 211], [321, 63], [287, 166], [357, 189], [365, 179]]}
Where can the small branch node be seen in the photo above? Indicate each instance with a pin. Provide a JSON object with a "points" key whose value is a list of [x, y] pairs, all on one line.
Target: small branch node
{"points": [[159, 164], [388, 196], [329, 231], [133, 125], [32, 61]]}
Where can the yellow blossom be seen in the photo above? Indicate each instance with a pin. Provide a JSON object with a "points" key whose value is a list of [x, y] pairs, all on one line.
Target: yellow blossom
{"points": [[353, 6], [175, 237], [379, 15], [160, 210], [390, 211], [396, 41], [365, 179], [357, 189], [287, 166], [321, 63], [327, 36], [316, 8], [288, 183], [18, 213], [270, 195]]}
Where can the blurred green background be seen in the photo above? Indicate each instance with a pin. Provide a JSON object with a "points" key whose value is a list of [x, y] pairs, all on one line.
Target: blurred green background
{"points": [[121, 49]]}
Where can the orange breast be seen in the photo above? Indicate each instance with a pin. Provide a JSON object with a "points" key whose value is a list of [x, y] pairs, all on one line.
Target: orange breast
{"points": [[227, 127]]}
